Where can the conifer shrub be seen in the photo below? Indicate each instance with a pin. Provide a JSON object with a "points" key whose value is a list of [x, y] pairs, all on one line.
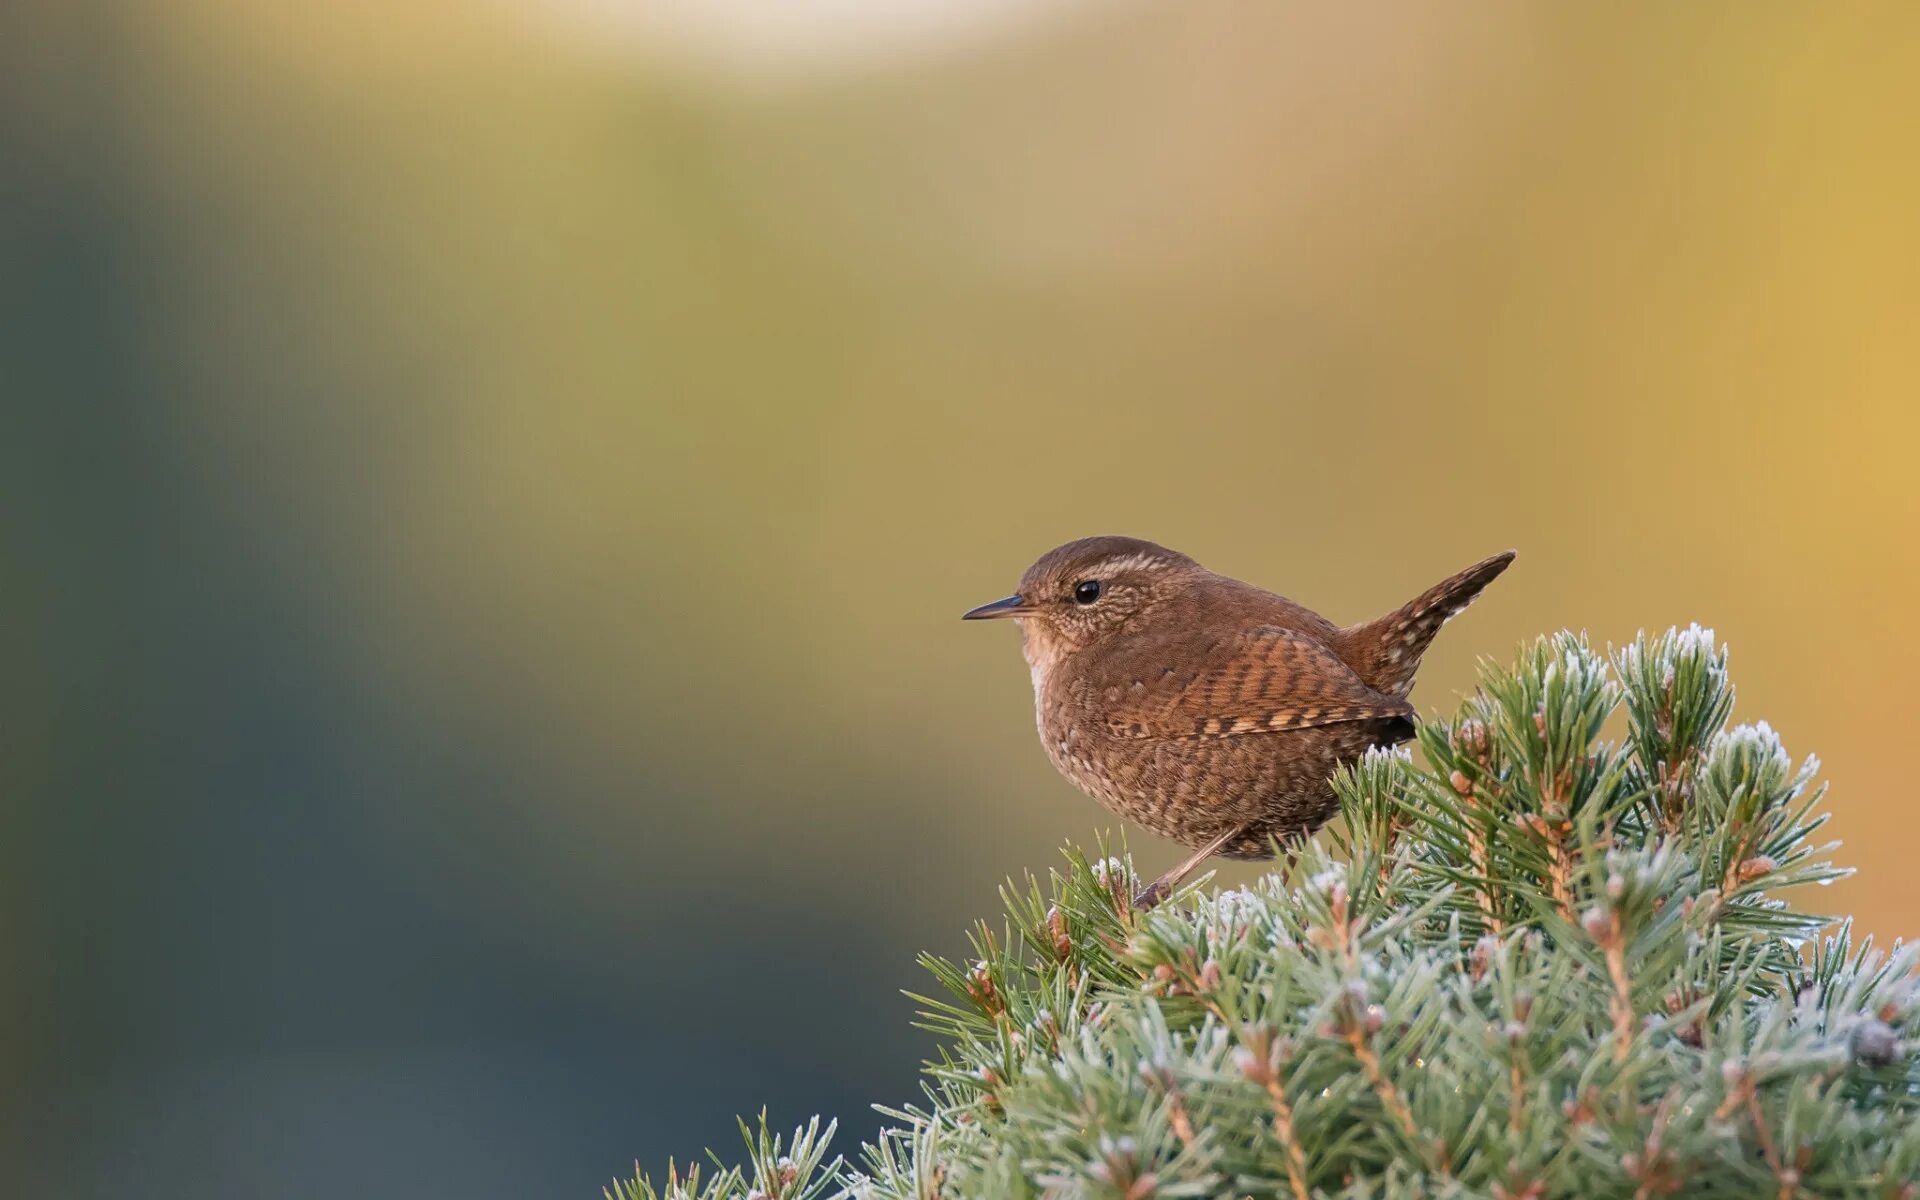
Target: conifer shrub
{"points": [[1539, 961]]}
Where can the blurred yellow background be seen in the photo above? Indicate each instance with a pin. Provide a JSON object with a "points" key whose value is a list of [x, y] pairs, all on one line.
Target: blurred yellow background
{"points": [[487, 489]]}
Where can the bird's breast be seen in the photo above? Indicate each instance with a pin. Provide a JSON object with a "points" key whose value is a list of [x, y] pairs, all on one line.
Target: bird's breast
{"points": [[1072, 730]]}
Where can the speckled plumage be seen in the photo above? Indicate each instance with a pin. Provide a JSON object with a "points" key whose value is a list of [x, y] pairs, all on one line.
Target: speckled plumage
{"points": [[1207, 710]]}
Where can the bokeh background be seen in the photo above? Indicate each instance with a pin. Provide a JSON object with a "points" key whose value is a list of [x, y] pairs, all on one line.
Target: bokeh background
{"points": [[486, 490]]}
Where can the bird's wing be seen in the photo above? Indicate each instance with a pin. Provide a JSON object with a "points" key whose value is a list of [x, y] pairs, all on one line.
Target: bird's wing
{"points": [[1266, 680]]}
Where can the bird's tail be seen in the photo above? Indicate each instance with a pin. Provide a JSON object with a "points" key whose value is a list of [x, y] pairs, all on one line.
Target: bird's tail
{"points": [[1386, 651]]}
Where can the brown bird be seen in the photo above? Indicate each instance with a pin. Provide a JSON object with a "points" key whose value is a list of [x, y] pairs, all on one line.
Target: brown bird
{"points": [[1209, 710]]}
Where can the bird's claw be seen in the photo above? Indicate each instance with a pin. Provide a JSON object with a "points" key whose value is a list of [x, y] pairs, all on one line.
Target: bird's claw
{"points": [[1149, 897]]}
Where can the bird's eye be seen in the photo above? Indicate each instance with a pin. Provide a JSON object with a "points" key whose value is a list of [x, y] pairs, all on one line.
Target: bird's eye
{"points": [[1086, 591]]}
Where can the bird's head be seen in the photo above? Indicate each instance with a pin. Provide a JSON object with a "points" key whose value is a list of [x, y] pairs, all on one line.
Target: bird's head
{"points": [[1084, 592]]}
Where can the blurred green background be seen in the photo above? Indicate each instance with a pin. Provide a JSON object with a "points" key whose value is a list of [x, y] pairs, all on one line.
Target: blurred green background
{"points": [[487, 489]]}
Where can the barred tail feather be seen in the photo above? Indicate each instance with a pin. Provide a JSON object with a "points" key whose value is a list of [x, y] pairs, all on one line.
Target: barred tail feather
{"points": [[1386, 652]]}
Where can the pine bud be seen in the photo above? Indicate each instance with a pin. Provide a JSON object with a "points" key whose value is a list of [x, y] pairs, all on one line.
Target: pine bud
{"points": [[1461, 783], [1057, 927], [1472, 737], [1616, 886], [1375, 1018], [787, 1171], [1596, 924], [1482, 958], [1755, 867], [1874, 1044], [1209, 976], [1253, 1066], [980, 987], [1733, 1072]]}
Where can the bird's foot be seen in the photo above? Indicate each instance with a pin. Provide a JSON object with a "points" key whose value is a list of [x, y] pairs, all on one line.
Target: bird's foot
{"points": [[1162, 887], [1152, 895]]}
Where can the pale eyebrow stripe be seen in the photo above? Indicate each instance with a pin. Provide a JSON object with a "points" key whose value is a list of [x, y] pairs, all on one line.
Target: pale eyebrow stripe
{"points": [[1135, 562]]}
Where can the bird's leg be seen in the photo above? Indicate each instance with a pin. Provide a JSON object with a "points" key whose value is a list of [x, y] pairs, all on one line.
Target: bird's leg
{"points": [[1163, 887]]}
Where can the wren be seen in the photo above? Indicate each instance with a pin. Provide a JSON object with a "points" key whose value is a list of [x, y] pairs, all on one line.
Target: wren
{"points": [[1210, 711]]}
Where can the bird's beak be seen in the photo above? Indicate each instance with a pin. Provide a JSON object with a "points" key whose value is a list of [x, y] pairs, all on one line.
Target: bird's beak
{"points": [[1012, 606]]}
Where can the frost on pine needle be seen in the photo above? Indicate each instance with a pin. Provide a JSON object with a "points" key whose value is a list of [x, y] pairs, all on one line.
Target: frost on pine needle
{"points": [[1328, 880], [1756, 747], [1230, 914], [1532, 963], [1697, 641]]}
